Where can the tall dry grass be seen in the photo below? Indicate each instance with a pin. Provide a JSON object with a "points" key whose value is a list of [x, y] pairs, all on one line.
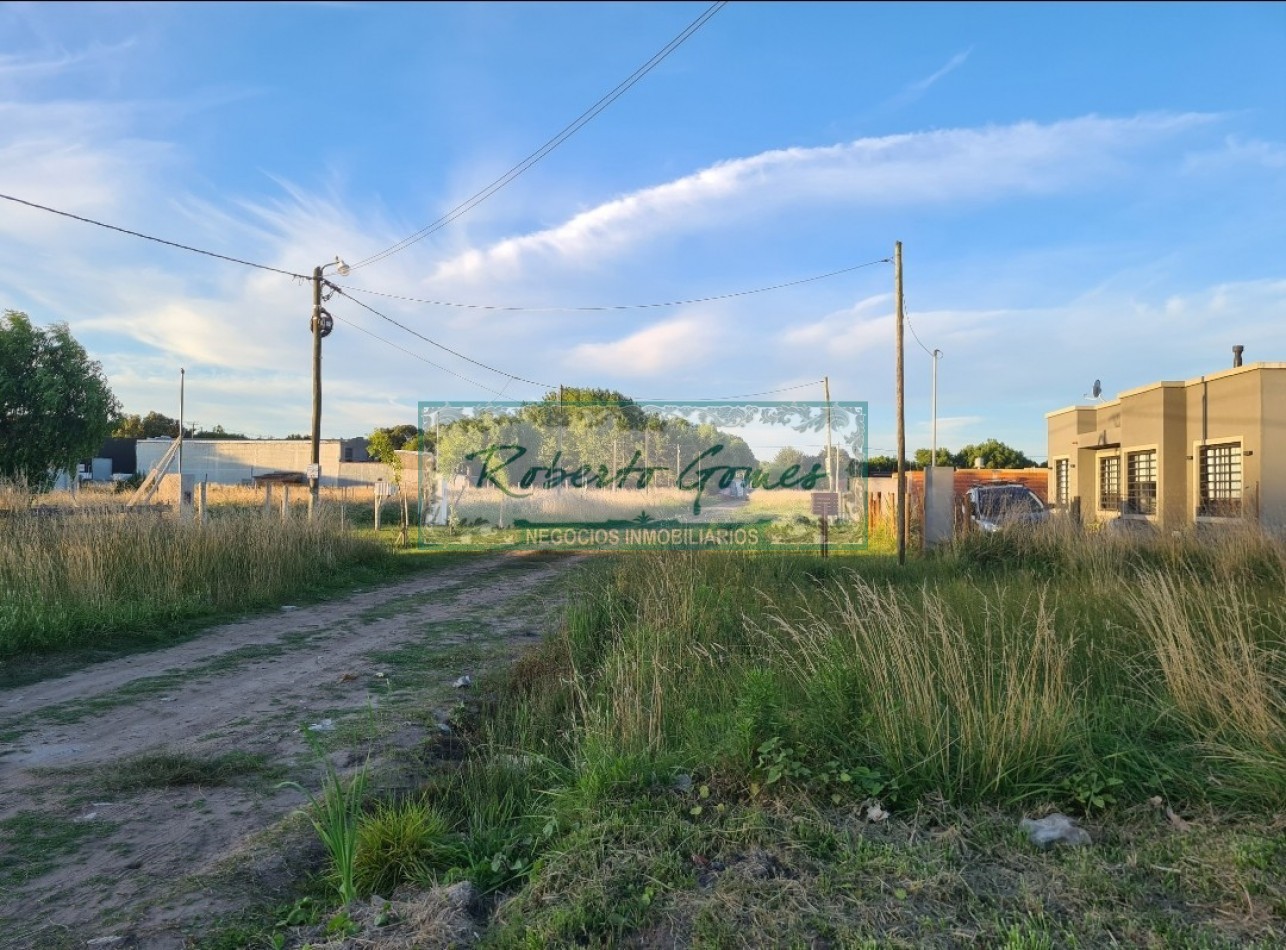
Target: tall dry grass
{"points": [[967, 704], [1011, 668], [1221, 654], [76, 578]]}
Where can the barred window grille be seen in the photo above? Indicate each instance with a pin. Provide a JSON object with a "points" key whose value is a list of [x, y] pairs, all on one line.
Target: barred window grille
{"points": [[1109, 483], [1141, 483], [1061, 482], [1220, 477]]}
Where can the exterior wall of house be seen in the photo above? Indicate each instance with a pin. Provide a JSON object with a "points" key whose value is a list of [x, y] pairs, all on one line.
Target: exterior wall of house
{"points": [[1074, 435], [1270, 467], [1174, 453], [1227, 409]]}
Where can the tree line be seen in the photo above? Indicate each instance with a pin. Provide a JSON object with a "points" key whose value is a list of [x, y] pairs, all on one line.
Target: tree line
{"points": [[56, 409]]}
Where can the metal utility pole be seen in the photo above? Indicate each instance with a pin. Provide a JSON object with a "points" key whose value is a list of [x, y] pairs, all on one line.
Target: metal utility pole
{"points": [[901, 407], [322, 324], [933, 457], [930, 470], [831, 483], [182, 377]]}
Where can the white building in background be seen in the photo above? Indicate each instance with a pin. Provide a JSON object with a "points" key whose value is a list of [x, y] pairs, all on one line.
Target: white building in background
{"points": [[240, 461]]}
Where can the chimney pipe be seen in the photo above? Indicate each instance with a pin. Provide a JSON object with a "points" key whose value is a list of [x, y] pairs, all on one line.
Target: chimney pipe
{"points": [[1236, 355]]}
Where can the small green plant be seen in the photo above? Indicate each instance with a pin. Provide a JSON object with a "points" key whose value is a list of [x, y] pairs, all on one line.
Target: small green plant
{"points": [[301, 913], [859, 781], [341, 925], [779, 761], [335, 815], [1091, 790]]}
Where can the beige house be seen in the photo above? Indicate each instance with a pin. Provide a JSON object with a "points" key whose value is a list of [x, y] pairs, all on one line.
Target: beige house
{"points": [[1177, 453]]}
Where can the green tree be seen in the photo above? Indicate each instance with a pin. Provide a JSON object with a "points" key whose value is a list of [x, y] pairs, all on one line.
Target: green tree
{"points": [[128, 426], [55, 404], [218, 432], [944, 457], [403, 438], [885, 464], [156, 425], [381, 447], [994, 454]]}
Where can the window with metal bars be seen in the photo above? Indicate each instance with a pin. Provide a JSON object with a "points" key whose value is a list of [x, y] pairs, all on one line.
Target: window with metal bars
{"points": [[1220, 481], [1061, 482], [1109, 483], [1141, 483]]}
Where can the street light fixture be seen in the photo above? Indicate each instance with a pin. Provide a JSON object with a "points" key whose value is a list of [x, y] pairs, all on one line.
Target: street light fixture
{"points": [[322, 324]]}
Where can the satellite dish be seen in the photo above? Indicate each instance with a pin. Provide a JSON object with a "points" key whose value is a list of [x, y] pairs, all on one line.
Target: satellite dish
{"points": [[1098, 388]]}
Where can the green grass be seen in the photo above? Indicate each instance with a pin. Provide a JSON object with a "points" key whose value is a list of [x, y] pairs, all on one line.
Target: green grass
{"points": [[690, 759], [77, 710], [32, 843], [174, 769], [735, 707], [55, 627], [83, 580]]}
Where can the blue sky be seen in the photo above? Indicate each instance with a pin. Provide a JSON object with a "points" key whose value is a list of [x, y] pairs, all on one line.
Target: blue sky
{"points": [[1083, 191]]}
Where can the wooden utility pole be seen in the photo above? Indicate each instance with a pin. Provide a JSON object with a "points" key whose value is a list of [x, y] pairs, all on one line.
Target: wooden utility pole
{"points": [[315, 454], [901, 401]]}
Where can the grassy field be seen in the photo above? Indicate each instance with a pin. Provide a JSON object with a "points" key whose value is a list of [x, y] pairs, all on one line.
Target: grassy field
{"points": [[723, 751], [95, 576]]}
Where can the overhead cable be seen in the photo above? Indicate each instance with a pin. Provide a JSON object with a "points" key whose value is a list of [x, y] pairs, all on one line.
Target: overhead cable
{"points": [[585, 117], [440, 346], [907, 314], [766, 392], [608, 307], [149, 237], [417, 356]]}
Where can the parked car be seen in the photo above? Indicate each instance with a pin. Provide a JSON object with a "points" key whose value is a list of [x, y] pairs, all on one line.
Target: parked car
{"points": [[996, 506]]}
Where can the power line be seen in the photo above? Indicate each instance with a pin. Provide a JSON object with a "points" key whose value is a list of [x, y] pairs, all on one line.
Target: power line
{"points": [[148, 237], [609, 307], [767, 392], [907, 315], [417, 356], [579, 123], [440, 346]]}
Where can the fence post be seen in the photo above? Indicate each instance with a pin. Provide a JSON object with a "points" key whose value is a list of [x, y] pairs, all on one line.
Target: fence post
{"points": [[285, 502]]}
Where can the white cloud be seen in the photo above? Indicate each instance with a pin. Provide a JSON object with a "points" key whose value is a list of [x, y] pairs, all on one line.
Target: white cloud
{"points": [[665, 347], [951, 166], [74, 156], [1238, 153], [918, 88], [55, 62]]}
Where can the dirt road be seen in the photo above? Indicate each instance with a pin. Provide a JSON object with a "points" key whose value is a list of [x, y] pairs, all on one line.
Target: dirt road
{"points": [[140, 798]]}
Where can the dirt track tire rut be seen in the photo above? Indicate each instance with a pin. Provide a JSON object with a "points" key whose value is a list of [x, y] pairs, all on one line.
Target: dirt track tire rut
{"points": [[78, 861]]}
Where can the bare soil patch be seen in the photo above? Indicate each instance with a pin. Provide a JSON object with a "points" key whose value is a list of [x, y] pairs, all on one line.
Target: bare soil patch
{"points": [[140, 798]]}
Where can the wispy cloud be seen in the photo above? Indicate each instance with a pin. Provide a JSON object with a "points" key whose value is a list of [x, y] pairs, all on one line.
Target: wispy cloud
{"points": [[1238, 152], [928, 168], [663, 348], [914, 90], [918, 87], [55, 62]]}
